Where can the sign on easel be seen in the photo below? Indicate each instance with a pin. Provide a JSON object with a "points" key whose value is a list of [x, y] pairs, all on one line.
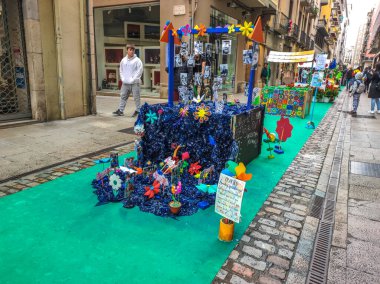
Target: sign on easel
{"points": [[229, 197]]}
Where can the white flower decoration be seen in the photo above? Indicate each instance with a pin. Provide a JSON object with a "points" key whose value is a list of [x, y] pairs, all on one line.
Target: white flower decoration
{"points": [[115, 182]]}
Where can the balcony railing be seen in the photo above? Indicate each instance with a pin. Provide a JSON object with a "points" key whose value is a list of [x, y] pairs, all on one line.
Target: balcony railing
{"points": [[307, 41], [281, 23], [295, 31], [311, 46], [303, 38]]}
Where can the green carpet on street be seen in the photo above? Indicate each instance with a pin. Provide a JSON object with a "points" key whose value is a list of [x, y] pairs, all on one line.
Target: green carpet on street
{"points": [[54, 233]]}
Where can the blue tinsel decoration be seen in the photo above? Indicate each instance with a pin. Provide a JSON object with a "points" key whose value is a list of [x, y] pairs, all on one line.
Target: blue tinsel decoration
{"points": [[209, 143]]}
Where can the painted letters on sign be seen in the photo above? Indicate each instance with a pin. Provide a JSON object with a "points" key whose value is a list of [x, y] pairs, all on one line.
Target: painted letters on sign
{"points": [[229, 197]]}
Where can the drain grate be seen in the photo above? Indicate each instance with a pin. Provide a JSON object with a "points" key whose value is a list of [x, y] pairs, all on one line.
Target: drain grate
{"points": [[127, 130], [365, 169], [328, 213], [319, 262], [316, 210]]}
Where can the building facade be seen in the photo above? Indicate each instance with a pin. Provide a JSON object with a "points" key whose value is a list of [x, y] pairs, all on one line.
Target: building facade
{"points": [[356, 57], [341, 43], [366, 57], [56, 56], [374, 36], [44, 60]]}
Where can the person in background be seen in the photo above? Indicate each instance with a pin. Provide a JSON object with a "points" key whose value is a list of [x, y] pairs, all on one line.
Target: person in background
{"points": [[265, 74], [349, 77], [356, 91], [304, 75], [367, 78], [374, 90], [131, 69]]}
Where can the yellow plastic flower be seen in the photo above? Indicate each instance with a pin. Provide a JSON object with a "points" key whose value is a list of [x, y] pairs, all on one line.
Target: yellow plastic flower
{"points": [[231, 29], [240, 173], [174, 33], [202, 113], [246, 29], [201, 29]]}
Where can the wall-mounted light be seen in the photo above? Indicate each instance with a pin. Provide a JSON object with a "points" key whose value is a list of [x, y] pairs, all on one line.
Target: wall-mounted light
{"points": [[150, 8], [130, 10]]}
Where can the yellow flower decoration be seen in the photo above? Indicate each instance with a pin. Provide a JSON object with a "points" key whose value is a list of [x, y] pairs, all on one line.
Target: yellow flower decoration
{"points": [[246, 29], [240, 173], [231, 29], [184, 111], [174, 33], [202, 113], [201, 29]]}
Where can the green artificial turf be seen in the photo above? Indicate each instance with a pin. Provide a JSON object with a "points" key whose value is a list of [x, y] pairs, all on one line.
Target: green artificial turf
{"points": [[54, 232]]}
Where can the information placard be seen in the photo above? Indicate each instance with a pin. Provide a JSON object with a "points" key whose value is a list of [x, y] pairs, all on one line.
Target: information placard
{"points": [[229, 197], [320, 61], [247, 131]]}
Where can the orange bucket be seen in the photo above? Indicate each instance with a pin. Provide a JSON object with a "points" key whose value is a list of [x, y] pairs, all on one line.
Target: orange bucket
{"points": [[226, 230]]}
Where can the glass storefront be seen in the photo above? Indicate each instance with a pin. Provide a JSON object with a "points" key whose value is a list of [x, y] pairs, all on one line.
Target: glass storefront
{"points": [[133, 24]]}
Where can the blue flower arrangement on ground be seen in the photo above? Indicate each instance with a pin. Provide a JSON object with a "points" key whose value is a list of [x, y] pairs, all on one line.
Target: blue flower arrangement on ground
{"points": [[200, 131]]}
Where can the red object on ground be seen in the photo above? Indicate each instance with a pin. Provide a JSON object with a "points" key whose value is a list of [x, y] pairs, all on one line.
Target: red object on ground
{"points": [[284, 129]]}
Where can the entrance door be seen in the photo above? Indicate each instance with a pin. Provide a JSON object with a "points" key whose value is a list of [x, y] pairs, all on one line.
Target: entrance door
{"points": [[14, 94]]}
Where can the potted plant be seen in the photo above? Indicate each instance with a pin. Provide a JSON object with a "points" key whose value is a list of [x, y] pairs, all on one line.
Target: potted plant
{"points": [[175, 205], [314, 11]]}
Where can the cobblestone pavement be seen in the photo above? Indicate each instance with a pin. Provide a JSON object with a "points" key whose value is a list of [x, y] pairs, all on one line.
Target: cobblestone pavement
{"points": [[58, 171], [321, 224]]}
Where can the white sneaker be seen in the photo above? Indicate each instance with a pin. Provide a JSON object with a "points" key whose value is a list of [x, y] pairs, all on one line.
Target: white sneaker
{"points": [[378, 111], [371, 111]]}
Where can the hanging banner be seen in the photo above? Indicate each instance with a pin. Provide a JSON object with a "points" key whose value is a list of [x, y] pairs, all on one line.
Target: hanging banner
{"points": [[291, 57], [320, 62], [229, 197]]}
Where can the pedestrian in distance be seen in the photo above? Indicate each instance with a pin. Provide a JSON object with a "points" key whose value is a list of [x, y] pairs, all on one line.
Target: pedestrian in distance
{"points": [[304, 75], [367, 76], [265, 74], [356, 90], [349, 77], [374, 90], [131, 69]]}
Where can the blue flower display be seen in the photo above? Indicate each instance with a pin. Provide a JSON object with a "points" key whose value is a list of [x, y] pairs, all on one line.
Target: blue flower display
{"points": [[210, 143]]}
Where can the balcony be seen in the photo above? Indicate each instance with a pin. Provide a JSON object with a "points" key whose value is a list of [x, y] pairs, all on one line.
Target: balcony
{"points": [[305, 3], [303, 38], [322, 27], [307, 42], [311, 46], [281, 23], [336, 6], [295, 31]]}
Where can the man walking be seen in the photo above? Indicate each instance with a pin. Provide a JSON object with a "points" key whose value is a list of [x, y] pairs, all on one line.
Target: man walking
{"points": [[131, 69]]}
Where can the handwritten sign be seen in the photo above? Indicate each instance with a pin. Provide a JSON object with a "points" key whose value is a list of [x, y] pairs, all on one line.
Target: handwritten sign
{"points": [[317, 79], [320, 61], [229, 197]]}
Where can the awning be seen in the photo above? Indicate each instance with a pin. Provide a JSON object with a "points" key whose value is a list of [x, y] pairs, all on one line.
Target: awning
{"points": [[291, 57]]}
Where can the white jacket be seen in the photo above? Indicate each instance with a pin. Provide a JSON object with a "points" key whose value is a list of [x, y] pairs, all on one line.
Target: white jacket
{"points": [[131, 70]]}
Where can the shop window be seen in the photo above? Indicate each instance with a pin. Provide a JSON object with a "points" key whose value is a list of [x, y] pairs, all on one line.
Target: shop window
{"points": [[138, 24]]}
